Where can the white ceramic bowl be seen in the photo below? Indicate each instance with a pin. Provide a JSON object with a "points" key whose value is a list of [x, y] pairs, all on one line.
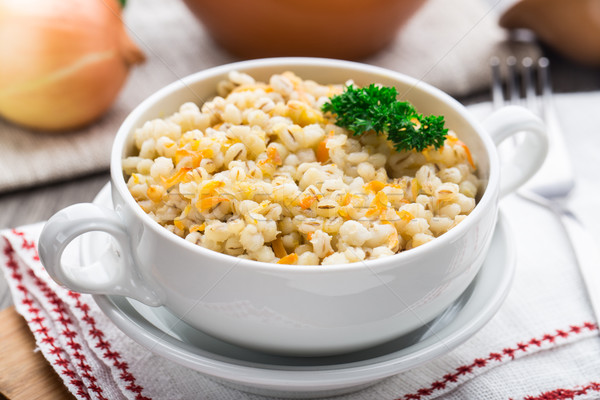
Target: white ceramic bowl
{"points": [[294, 310]]}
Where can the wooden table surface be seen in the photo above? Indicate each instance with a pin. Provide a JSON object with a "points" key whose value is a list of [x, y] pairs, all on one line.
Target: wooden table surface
{"points": [[37, 204], [19, 363]]}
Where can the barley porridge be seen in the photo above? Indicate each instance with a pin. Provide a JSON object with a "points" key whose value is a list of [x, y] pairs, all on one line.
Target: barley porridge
{"points": [[260, 172]]}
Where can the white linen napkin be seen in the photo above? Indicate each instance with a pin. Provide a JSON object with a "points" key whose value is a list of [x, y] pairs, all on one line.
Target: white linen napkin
{"points": [[447, 44], [542, 344], [543, 340]]}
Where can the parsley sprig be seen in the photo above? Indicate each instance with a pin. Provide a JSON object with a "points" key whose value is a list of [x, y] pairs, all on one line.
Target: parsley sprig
{"points": [[377, 108]]}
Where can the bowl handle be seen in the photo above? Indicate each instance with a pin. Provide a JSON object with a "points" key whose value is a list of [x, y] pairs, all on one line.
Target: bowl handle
{"points": [[528, 155], [115, 273]]}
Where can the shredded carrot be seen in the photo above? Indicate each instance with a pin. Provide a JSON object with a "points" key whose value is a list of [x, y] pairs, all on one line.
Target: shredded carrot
{"points": [[197, 228], [307, 201], [405, 215], [375, 186], [201, 155], [209, 202], [195, 145], [452, 140], [196, 155], [380, 200], [155, 193], [179, 225], [378, 205], [274, 156], [175, 178], [322, 152], [342, 212], [180, 154], [301, 113], [225, 146], [210, 188], [289, 259], [372, 211], [468, 152], [393, 240], [278, 248], [309, 236], [346, 200], [414, 188]]}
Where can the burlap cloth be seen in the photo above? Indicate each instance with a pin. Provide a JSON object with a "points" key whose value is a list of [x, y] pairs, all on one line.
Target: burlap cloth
{"points": [[447, 44]]}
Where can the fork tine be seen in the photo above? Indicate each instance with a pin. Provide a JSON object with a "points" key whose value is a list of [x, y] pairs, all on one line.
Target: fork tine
{"points": [[529, 85], [497, 94], [544, 77], [544, 83], [514, 94]]}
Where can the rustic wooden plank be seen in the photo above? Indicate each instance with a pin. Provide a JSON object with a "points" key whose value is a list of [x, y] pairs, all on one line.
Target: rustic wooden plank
{"points": [[24, 373]]}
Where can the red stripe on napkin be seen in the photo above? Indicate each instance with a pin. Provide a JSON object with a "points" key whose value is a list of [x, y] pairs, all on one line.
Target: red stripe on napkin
{"points": [[111, 356], [506, 354], [564, 394], [36, 320], [73, 339]]}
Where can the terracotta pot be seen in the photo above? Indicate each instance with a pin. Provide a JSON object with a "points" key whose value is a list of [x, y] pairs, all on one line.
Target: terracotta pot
{"points": [[348, 29]]}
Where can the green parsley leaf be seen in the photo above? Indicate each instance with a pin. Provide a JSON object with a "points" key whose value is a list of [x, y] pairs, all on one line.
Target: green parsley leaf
{"points": [[376, 108]]}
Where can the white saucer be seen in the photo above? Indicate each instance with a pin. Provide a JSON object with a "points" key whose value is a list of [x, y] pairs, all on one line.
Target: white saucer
{"points": [[164, 334]]}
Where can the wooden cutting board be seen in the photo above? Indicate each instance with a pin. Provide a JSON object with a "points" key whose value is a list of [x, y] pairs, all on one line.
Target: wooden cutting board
{"points": [[24, 373]]}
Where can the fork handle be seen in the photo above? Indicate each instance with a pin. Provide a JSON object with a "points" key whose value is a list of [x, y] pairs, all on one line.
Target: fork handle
{"points": [[529, 155], [585, 249]]}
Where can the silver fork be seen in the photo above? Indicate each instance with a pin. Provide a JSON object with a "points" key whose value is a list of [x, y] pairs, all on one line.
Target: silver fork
{"points": [[552, 185]]}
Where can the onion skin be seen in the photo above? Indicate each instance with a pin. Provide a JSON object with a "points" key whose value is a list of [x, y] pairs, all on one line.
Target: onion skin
{"points": [[63, 61]]}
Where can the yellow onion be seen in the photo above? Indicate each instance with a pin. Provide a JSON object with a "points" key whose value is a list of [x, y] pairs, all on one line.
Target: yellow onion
{"points": [[62, 62]]}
